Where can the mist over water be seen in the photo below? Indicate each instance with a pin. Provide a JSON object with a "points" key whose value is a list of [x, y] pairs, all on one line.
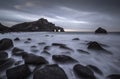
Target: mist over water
{"points": [[107, 63]]}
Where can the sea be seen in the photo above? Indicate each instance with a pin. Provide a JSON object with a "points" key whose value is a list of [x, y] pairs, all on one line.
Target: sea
{"points": [[107, 63]]}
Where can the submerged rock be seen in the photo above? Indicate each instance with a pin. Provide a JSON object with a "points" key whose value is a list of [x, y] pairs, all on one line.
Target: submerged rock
{"points": [[6, 43], [34, 59], [75, 39], [45, 52], [58, 44], [17, 39], [101, 30], [17, 51], [63, 59], [50, 72], [95, 69], [94, 45], [82, 51], [19, 72], [83, 72], [114, 76]]}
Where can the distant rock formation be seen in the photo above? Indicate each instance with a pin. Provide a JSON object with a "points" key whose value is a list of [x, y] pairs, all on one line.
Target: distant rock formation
{"points": [[39, 25], [4, 28], [35, 26], [101, 31]]}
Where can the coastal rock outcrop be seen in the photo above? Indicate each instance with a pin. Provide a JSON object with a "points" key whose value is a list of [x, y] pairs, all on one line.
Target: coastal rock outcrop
{"points": [[39, 25], [101, 31], [4, 29]]}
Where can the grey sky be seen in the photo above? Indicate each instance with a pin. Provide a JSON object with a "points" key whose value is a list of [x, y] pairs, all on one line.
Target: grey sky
{"points": [[69, 14]]}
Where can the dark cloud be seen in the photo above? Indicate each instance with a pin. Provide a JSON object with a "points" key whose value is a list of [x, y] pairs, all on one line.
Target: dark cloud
{"points": [[71, 14]]}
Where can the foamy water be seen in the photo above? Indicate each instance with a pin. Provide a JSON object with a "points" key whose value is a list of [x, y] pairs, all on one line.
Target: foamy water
{"points": [[108, 64]]}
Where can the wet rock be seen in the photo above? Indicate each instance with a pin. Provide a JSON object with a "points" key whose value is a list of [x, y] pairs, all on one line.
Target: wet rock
{"points": [[114, 76], [50, 72], [42, 43], [63, 59], [29, 39], [46, 48], [19, 72], [45, 52], [33, 46], [6, 44], [101, 31], [34, 50], [75, 39], [95, 69], [94, 45], [83, 72], [3, 55], [66, 48], [4, 64], [27, 42], [82, 51], [58, 44], [34, 59], [17, 51], [17, 39]]}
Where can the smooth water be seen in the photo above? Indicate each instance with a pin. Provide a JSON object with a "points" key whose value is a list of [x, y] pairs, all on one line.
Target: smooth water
{"points": [[107, 63]]}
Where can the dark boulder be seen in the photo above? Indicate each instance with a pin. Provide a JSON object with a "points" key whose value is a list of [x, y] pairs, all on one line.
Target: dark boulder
{"points": [[95, 69], [63, 59], [58, 44], [83, 72], [101, 31], [29, 39], [17, 39], [45, 52], [18, 52], [6, 44], [3, 56], [46, 48], [75, 39], [50, 72], [6, 63], [94, 45], [114, 76], [18, 72], [34, 59]]}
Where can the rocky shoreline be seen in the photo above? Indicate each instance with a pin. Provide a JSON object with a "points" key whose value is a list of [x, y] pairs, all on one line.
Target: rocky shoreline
{"points": [[15, 69]]}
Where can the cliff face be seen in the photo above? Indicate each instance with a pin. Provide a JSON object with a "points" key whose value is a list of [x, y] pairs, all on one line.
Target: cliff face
{"points": [[39, 25], [35, 26]]}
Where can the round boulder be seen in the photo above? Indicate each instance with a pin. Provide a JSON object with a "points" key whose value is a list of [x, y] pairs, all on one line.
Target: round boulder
{"points": [[34, 59], [6, 44], [50, 72], [83, 72], [18, 72]]}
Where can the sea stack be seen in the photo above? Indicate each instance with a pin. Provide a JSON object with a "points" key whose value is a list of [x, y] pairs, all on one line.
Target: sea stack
{"points": [[101, 30]]}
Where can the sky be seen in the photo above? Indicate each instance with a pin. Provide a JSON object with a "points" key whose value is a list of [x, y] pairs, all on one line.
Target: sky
{"points": [[72, 15]]}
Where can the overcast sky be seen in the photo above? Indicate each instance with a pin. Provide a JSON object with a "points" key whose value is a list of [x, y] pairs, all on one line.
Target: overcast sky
{"points": [[69, 14]]}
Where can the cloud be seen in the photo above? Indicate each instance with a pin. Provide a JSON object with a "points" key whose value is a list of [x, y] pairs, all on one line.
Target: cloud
{"points": [[70, 14]]}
